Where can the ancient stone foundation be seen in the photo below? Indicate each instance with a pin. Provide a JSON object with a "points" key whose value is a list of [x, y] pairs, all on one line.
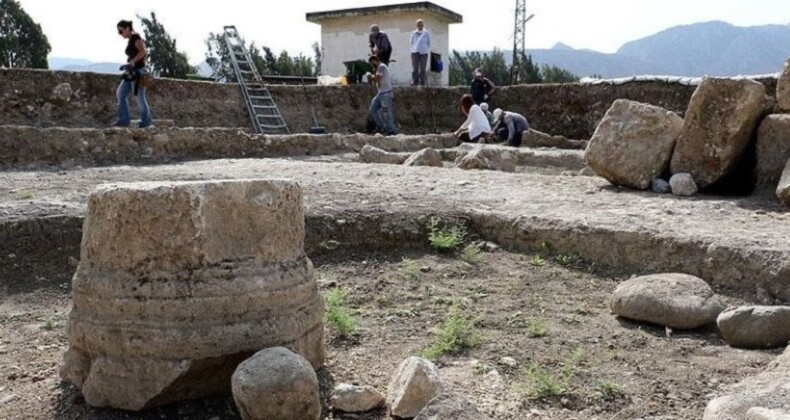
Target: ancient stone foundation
{"points": [[180, 282]]}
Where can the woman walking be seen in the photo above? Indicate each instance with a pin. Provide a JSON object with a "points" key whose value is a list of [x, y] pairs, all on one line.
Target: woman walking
{"points": [[132, 76]]}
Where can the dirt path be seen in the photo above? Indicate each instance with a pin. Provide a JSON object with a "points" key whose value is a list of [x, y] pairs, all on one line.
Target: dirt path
{"points": [[544, 314]]}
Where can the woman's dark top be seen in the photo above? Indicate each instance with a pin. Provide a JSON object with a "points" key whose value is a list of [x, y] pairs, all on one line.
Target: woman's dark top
{"points": [[132, 51]]}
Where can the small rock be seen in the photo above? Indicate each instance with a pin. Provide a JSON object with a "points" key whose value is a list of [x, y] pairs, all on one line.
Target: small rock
{"points": [[276, 384], [356, 399], [370, 154], [450, 406], [425, 157], [587, 171], [425, 269], [490, 247], [415, 383], [8, 399], [683, 184], [61, 93], [757, 327], [660, 186], [508, 361]]}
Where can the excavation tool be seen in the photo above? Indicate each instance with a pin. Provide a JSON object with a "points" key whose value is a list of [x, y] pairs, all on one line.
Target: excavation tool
{"points": [[266, 117]]}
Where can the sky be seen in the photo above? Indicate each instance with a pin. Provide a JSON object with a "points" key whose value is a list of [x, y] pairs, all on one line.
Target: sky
{"points": [[86, 28]]}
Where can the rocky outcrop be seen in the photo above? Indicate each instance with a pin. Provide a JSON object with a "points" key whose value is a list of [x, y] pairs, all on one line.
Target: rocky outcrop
{"points": [[766, 391], [425, 157], [356, 399], [677, 301], [721, 120], [415, 383], [783, 189], [755, 327], [276, 384], [633, 143], [783, 89], [535, 138], [773, 149], [180, 282]]}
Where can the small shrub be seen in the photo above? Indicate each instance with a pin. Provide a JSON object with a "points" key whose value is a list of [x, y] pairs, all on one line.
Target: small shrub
{"points": [[537, 261], [482, 368], [457, 334], [445, 238], [410, 270], [516, 320], [543, 385], [337, 314], [567, 259], [608, 391], [472, 255], [537, 328], [49, 323]]}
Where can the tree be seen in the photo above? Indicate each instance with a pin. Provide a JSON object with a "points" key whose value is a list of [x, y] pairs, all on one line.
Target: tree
{"points": [[22, 42], [165, 59], [554, 74], [493, 66], [218, 58], [318, 56]]}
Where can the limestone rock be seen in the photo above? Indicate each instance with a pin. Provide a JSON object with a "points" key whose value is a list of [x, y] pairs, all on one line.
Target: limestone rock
{"points": [[370, 154], [633, 143], [783, 89], [783, 189], [450, 406], [535, 138], [683, 184], [721, 119], [495, 158], [416, 382], [276, 384], [773, 149], [356, 399], [759, 413], [180, 282], [767, 391], [61, 93], [759, 327], [425, 157], [673, 300]]}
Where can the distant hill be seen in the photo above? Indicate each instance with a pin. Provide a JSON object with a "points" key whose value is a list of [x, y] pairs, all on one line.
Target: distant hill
{"points": [[78, 65], [712, 48]]}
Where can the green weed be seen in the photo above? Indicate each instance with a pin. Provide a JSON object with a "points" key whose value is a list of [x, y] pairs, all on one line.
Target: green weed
{"points": [[472, 255], [337, 313], [457, 334], [445, 238]]}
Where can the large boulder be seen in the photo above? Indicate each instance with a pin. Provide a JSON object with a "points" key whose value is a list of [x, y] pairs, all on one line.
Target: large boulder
{"points": [[783, 89], [673, 300], [494, 158], [450, 406], [721, 119], [276, 384], [766, 391], [773, 149], [356, 399], [783, 189], [180, 282], [633, 143], [415, 383], [370, 154], [755, 327], [425, 157]]}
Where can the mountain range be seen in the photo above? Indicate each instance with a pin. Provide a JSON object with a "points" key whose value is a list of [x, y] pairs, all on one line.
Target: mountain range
{"points": [[710, 48]]}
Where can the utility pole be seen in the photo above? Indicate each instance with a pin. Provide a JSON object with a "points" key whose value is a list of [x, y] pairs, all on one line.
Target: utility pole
{"points": [[519, 49]]}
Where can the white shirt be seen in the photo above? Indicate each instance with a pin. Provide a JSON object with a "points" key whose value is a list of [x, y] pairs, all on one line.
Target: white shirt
{"points": [[420, 42], [476, 122]]}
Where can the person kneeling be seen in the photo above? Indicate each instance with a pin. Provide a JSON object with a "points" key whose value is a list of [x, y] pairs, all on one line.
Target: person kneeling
{"points": [[510, 126], [476, 127]]}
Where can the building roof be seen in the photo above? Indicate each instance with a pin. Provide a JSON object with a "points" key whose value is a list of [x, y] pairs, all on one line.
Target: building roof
{"points": [[422, 6]]}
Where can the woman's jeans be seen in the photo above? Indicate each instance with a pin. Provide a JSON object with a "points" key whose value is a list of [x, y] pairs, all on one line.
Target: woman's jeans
{"points": [[382, 103], [124, 89]]}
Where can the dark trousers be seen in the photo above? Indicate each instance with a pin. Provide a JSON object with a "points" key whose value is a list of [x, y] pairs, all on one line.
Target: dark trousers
{"points": [[419, 65], [503, 133], [384, 56]]}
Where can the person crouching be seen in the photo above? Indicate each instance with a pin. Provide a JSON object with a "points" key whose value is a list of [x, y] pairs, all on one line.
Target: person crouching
{"points": [[510, 126], [476, 127]]}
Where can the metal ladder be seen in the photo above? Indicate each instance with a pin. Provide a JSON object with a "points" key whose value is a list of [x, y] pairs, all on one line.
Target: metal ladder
{"points": [[266, 117]]}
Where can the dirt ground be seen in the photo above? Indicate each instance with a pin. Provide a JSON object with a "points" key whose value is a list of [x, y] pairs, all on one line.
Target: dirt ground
{"points": [[536, 315]]}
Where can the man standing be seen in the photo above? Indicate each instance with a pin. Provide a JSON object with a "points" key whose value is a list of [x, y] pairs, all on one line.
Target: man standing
{"points": [[381, 107], [380, 44], [420, 48]]}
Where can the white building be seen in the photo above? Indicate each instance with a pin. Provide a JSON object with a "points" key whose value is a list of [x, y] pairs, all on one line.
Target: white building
{"points": [[344, 36]]}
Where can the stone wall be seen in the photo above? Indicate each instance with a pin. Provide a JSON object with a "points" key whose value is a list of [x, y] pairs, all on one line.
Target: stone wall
{"points": [[572, 110]]}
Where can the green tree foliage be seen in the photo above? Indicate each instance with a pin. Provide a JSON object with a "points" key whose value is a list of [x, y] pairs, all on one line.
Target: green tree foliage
{"points": [[22, 42], [494, 67], [267, 63], [165, 59], [318, 56]]}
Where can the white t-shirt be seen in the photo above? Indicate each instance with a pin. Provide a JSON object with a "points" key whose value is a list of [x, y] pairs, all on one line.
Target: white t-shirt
{"points": [[476, 122]]}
